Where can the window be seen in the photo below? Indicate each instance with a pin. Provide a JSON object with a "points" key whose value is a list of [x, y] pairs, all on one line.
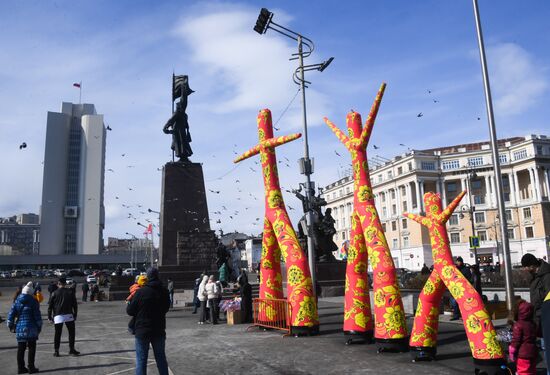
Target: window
{"points": [[508, 215], [384, 212], [379, 178], [335, 211], [428, 165], [383, 197], [340, 192], [521, 154], [503, 158], [405, 207], [344, 222], [482, 235], [343, 235], [511, 234], [337, 222], [527, 213], [394, 225], [451, 187], [405, 241], [479, 199], [475, 161], [450, 164], [394, 243], [453, 220], [410, 166], [394, 209], [479, 217], [390, 174], [399, 170], [347, 190], [476, 184], [539, 150], [529, 232], [384, 227], [392, 194], [455, 237], [404, 223]]}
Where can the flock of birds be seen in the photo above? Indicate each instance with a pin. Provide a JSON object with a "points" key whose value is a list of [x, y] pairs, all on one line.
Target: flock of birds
{"points": [[136, 211]]}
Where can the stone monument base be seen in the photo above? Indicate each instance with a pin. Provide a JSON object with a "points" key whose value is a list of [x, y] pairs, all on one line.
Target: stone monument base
{"points": [[331, 277]]}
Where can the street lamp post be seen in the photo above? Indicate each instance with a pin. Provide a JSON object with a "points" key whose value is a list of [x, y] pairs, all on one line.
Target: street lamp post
{"points": [[471, 210], [496, 165], [132, 250], [264, 22]]}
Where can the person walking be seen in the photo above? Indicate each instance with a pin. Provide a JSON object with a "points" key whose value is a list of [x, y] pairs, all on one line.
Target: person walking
{"points": [[149, 307], [196, 302], [25, 320], [62, 309], [539, 291], [218, 299], [201, 295], [523, 347], [211, 295], [85, 290], [171, 292], [468, 275], [52, 287]]}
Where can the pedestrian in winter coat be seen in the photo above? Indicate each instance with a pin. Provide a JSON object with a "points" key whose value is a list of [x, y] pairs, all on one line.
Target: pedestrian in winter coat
{"points": [[539, 290], [218, 299], [149, 307], [85, 290], [246, 300], [523, 348], [171, 291], [211, 295], [201, 295], [196, 302], [223, 274], [52, 287], [476, 278], [62, 309], [25, 320]]}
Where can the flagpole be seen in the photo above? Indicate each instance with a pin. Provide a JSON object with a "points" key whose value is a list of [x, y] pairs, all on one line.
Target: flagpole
{"points": [[80, 93]]}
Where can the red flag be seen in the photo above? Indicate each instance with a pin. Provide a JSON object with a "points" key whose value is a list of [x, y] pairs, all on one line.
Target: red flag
{"points": [[150, 229], [76, 85]]}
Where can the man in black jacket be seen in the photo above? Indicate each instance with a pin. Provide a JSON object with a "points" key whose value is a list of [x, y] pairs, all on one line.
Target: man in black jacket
{"points": [[149, 307], [63, 308]]}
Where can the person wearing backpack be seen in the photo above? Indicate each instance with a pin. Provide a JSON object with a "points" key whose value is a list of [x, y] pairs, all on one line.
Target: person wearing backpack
{"points": [[25, 320]]}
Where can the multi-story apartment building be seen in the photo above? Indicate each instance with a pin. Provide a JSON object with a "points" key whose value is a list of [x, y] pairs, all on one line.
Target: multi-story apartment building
{"points": [[399, 185], [72, 214], [19, 235]]}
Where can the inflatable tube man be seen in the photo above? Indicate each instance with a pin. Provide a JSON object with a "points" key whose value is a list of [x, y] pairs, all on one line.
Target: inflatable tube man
{"points": [[279, 238], [368, 243], [479, 329]]}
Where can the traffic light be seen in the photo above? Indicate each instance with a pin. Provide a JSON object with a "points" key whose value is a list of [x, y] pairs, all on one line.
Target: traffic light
{"points": [[263, 21]]}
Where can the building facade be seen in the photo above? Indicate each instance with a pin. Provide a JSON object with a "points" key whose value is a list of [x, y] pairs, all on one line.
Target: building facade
{"points": [[20, 235], [399, 185], [72, 213]]}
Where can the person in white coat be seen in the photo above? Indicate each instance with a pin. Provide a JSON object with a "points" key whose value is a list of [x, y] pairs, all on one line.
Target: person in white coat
{"points": [[201, 295], [212, 294]]}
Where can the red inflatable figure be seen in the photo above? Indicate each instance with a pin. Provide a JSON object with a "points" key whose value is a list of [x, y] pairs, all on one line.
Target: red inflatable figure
{"points": [[279, 238], [368, 244], [482, 338]]}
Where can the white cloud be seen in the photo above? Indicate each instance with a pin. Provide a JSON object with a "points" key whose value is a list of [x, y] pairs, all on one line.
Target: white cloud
{"points": [[517, 79]]}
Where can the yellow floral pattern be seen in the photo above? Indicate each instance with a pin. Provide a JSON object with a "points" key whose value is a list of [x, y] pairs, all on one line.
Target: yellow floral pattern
{"points": [[479, 328], [279, 238], [369, 240]]}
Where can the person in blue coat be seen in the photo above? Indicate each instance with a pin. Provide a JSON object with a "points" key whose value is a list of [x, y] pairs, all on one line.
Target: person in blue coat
{"points": [[25, 320]]}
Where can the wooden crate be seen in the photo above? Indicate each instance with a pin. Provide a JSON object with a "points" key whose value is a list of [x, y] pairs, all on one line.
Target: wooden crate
{"points": [[234, 317]]}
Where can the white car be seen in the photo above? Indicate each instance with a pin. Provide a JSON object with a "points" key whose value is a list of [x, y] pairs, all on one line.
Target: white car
{"points": [[91, 279], [130, 272], [69, 281]]}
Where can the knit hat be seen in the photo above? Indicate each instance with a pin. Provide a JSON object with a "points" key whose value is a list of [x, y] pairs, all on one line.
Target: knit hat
{"points": [[152, 274], [142, 279], [28, 289], [459, 259]]}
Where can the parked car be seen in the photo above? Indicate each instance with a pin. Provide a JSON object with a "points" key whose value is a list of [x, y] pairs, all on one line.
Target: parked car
{"points": [[130, 272], [75, 272], [88, 272], [5, 275], [49, 273], [91, 279], [27, 273], [59, 272], [17, 273], [70, 281]]}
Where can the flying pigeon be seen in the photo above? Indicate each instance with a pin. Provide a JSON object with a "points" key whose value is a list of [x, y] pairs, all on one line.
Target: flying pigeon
{"points": [[420, 114], [109, 128], [375, 147], [22, 146]]}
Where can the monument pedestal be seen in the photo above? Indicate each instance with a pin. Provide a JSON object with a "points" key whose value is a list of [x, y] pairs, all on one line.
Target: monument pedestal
{"points": [[331, 277], [187, 244]]}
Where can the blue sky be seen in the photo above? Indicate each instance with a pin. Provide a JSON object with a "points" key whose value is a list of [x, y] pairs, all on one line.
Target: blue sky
{"points": [[124, 53]]}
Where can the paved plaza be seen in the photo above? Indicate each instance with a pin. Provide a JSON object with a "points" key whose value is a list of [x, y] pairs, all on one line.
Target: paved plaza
{"points": [[107, 347]]}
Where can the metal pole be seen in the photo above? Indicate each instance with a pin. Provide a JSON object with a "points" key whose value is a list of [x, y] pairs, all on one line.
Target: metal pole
{"points": [[496, 164], [471, 211], [307, 170]]}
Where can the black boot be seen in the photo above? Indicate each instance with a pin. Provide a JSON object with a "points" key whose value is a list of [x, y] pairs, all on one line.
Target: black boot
{"points": [[22, 370], [33, 370], [56, 353], [74, 352]]}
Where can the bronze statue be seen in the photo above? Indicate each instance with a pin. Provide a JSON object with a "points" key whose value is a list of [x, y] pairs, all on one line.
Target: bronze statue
{"points": [[177, 125]]}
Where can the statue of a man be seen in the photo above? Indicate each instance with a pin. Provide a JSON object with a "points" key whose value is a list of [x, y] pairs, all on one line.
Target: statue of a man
{"points": [[178, 126]]}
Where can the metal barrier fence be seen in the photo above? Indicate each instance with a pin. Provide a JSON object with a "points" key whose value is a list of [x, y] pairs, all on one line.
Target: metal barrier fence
{"points": [[272, 314]]}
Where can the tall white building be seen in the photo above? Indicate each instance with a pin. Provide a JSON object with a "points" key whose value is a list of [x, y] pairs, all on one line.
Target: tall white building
{"points": [[399, 185], [72, 213]]}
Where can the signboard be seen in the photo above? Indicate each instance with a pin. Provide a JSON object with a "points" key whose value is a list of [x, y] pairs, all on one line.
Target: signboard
{"points": [[474, 242]]}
